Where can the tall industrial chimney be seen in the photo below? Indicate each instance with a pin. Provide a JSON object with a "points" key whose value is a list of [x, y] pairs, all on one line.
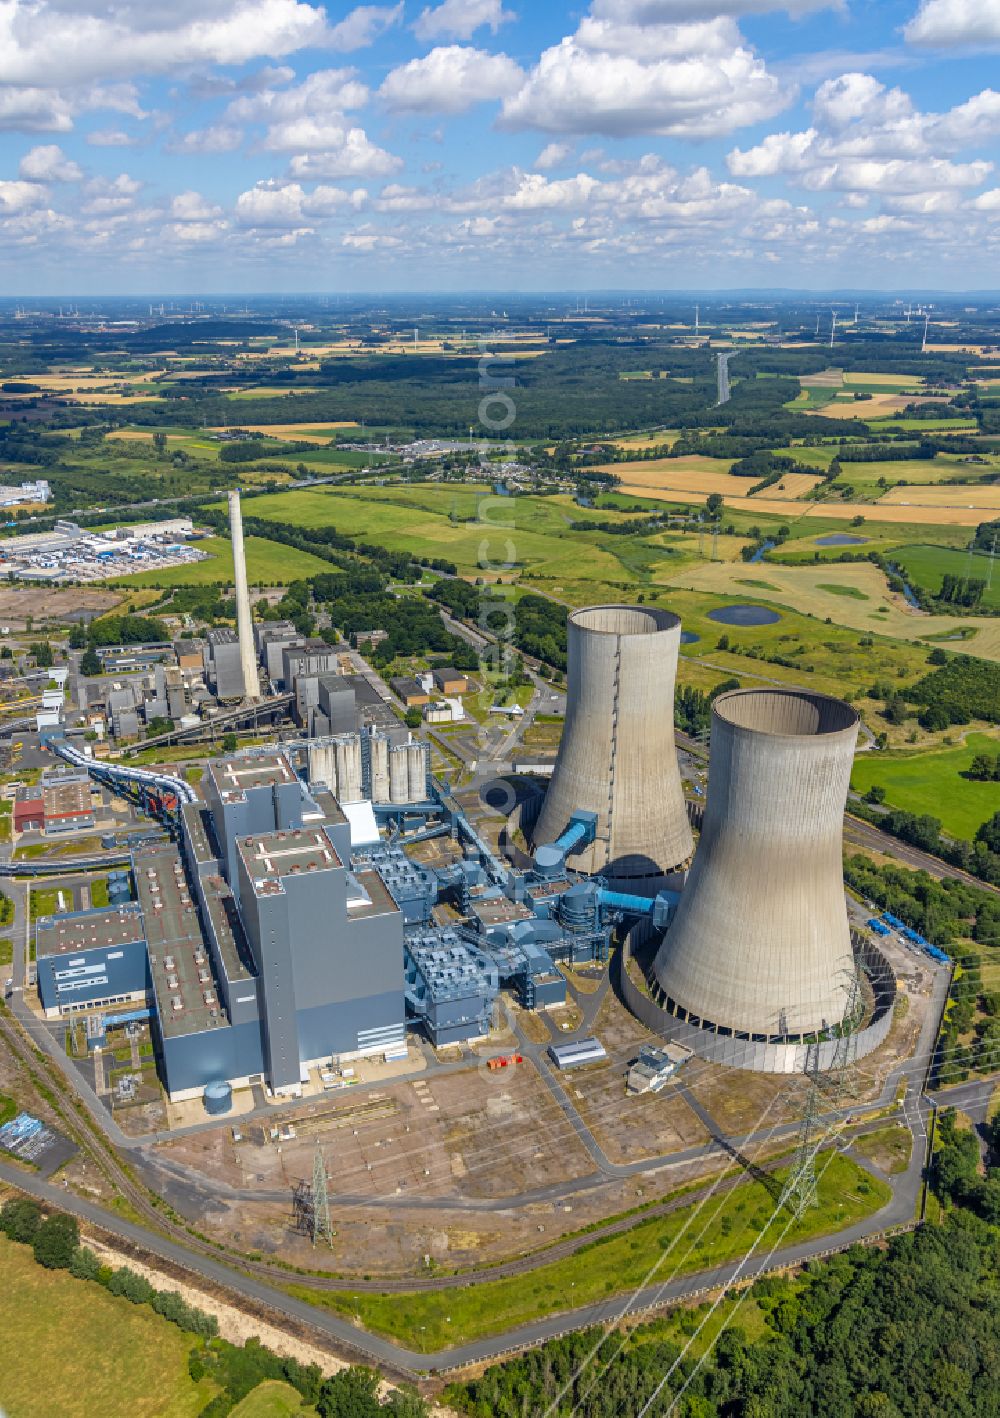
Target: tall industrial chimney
{"points": [[617, 757], [760, 944], [244, 623]]}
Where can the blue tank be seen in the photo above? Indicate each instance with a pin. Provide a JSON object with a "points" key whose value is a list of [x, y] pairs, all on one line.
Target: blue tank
{"points": [[218, 1097]]}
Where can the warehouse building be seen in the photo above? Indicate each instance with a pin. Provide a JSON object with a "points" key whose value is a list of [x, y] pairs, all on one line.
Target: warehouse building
{"points": [[91, 959]]}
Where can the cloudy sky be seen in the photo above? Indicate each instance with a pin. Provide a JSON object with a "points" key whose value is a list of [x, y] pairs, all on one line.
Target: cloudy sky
{"points": [[241, 145]]}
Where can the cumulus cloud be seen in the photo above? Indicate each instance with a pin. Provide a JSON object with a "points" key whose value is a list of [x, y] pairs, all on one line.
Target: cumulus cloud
{"points": [[868, 138], [450, 79], [193, 207], [459, 19], [955, 22], [364, 25], [323, 92], [552, 155], [651, 12], [48, 163], [82, 40], [18, 197], [692, 80], [216, 138], [111, 138], [337, 152], [287, 204]]}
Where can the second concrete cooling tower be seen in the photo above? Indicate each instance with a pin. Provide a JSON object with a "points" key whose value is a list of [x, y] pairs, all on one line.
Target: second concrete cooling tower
{"points": [[760, 944], [617, 757]]}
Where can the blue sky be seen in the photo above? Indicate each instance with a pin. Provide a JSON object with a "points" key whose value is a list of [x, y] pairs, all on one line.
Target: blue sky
{"points": [[242, 145]]}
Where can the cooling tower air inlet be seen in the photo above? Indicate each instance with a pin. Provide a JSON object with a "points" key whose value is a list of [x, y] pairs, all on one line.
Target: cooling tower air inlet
{"points": [[617, 757]]}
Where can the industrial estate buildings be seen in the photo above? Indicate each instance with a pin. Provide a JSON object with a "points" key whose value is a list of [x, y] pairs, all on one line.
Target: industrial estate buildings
{"points": [[71, 553]]}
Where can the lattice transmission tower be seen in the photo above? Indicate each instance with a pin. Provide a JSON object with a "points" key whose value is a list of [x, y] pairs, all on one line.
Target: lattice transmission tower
{"points": [[321, 1226], [800, 1189]]}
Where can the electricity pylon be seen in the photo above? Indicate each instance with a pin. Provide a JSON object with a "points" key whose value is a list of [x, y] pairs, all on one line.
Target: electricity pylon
{"points": [[321, 1227], [800, 1189]]}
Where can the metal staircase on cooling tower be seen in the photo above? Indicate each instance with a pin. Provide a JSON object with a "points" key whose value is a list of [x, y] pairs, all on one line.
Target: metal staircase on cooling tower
{"points": [[801, 1190], [615, 692]]}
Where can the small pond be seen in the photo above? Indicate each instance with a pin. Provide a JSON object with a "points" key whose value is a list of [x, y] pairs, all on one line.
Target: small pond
{"points": [[688, 637], [744, 615], [841, 539]]}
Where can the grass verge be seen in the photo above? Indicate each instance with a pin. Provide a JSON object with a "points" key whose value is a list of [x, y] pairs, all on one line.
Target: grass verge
{"points": [[429, 1320]]}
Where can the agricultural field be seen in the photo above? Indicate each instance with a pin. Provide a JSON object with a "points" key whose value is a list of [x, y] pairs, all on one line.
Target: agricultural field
{"points": [[932, 782], [927, 566], [72, 1349], [301, 432], [982, 498], [696, 477], [516, 537], [268, 564]]}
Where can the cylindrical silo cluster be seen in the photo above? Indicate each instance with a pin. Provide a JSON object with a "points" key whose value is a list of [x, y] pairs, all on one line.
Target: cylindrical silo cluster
{"points": [[760, 946], [617, 756], [336, 763]]}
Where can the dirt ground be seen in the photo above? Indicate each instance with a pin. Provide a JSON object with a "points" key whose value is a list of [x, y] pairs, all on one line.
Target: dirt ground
{"points": [[628, 1127], [471, 1134], [51, 604]]}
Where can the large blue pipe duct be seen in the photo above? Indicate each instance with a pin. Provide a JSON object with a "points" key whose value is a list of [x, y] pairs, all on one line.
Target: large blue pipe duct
{"points": [[659, 908]]}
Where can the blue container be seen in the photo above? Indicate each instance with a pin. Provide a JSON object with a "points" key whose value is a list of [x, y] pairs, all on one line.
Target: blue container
{"points": [[218, 1097]]}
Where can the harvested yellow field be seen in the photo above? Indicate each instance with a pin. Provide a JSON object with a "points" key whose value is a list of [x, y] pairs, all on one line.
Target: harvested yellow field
{"points": [[146, 435], [893, 381], [875, 407], [793, 485], [801, 589], [825, 379], [301, 432], [983, 496], [874, 512], [695, 477], [643, 440], [70, 380], [116, 399], [963, 349]]}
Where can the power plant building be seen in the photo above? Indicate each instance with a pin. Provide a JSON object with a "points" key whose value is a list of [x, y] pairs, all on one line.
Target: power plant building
{"points": [[617, 759], [259, 946]]}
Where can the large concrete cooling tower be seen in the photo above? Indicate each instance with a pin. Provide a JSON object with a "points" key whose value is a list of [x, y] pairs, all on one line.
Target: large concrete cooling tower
{"points": [[617, 756], [760, 943]]}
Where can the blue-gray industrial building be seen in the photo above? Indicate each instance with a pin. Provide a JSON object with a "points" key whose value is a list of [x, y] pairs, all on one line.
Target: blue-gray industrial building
{"points": [[259, 948], [261, 943]]}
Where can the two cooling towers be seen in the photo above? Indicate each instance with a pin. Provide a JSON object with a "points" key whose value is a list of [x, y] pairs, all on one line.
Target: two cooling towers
{"points": [[759, 945]]}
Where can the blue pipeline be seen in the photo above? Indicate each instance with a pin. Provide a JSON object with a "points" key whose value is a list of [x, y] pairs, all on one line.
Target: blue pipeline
{"points": [[622, 901], [573, 834]]}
